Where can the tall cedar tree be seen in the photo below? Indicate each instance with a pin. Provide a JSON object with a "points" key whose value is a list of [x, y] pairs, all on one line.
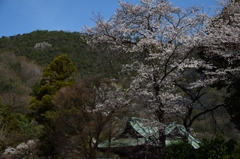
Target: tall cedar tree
{"points": [[59, 73]]}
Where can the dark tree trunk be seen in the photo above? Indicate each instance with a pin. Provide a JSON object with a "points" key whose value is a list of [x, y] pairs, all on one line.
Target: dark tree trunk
{"points": [[162, 148], [162, 135], [161, 119]]}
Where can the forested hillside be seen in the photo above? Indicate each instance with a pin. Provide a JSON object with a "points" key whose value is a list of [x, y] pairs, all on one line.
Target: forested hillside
{"points": [[22, 59], [43, 46]]}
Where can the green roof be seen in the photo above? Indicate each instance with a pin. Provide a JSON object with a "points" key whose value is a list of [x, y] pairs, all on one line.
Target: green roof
{"points": [[146, 133]]}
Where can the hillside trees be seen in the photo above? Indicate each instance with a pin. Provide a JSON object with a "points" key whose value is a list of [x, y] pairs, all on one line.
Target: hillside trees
{"points": [[84, 112], [17, 76], [167, 38], [59, 73], [10, 126], [88, 61]]}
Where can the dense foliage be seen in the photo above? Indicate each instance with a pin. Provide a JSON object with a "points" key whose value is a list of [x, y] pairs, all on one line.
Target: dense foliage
{"points": [[88, 61], [177, 64], [59, 73], [217, 148]]}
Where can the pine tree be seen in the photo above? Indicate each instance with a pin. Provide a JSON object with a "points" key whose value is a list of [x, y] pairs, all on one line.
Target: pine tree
{"points": [[59, 73]]}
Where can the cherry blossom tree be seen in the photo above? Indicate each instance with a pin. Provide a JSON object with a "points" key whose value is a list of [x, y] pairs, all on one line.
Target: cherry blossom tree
{"points": [[167, 37], [85, 112], [221, 46]]}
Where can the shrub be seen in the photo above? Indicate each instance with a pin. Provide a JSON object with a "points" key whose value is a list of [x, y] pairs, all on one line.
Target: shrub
{"points": [[180, 150]]}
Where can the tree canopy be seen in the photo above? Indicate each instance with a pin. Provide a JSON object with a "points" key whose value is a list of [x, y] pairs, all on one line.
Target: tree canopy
{"points": [[169, 38], [180, 65]]}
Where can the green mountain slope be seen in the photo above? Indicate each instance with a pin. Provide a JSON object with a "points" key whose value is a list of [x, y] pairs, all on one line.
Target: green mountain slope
{"points": [[87, 60]]}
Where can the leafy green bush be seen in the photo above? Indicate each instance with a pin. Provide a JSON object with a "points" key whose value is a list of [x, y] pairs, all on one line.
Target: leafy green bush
{"points": [[219, 148], [213, 149], [180, 150], [235, 154]]}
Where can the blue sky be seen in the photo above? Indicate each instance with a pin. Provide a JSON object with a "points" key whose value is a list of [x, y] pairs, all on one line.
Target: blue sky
{"points": [[25, 16]]}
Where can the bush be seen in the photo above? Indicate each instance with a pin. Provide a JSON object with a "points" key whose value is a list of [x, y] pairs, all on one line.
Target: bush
{"points": [[218, 148], [180, 150], [213, 149]]}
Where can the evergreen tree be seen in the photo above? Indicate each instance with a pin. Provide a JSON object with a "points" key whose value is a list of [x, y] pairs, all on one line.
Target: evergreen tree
{"points": [[57, 74]]}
